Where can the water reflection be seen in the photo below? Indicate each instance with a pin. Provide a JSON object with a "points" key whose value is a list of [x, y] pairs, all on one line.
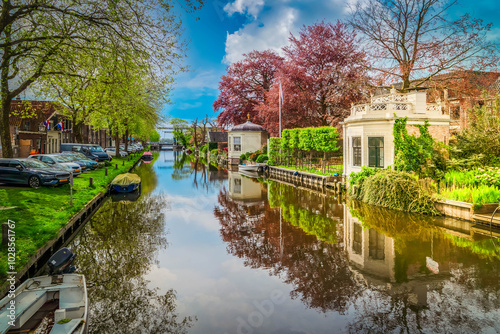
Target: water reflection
{"points": [[259, 233], [387, 271], [115, 250]]}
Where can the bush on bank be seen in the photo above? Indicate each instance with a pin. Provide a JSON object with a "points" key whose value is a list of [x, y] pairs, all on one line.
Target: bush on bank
{"points": [[393, 190]]}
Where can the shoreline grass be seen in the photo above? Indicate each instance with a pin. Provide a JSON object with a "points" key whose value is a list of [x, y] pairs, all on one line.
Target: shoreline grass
{"points": [[314, 170], [40, 213]]}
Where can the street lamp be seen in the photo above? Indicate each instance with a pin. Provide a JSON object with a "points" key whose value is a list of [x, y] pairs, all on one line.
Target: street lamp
{"points": [[41, 128]]}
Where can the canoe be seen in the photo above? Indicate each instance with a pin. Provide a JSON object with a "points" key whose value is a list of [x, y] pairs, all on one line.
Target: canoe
{"points": [[125, 183], [52, 304]]}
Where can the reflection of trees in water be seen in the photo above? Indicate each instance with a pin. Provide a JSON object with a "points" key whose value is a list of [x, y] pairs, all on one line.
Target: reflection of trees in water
{"points": [[149, 179], [115, 250], [204, 176], [318, 271], [461, 299]]}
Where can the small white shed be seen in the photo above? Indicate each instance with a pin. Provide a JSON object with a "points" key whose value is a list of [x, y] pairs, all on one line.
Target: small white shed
{"points": [[243, 138]]}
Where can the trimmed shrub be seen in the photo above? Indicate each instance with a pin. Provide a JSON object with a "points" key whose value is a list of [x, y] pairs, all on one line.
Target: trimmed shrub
{"points": [[243, 157], [274, 151], [262, 158]]}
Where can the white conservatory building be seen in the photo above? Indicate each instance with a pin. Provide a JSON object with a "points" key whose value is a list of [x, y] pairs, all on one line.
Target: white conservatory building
{"points": [[368, 131]]}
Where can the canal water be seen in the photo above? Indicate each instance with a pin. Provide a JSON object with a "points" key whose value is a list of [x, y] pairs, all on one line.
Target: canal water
{"points": [[205, 250]]}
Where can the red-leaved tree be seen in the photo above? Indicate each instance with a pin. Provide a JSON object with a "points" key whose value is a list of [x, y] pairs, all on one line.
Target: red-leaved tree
{"points": [[245, 86], [326, 67]]}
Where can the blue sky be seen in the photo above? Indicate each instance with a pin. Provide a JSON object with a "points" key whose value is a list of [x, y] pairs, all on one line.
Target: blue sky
{"points": [[228, 29]]}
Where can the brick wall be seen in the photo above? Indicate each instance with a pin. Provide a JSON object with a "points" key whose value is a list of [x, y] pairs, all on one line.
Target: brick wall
{"points": [[438, 132]]}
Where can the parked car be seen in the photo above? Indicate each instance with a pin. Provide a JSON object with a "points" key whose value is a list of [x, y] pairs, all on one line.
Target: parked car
{"points": [[32, 172], [130, 149], [69, 158], [91, 151], [56, 160], [91, 164], [112, 151]]}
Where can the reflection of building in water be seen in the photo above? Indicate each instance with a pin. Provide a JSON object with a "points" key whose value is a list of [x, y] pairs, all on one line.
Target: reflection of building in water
{"points": [[368, 249], [373, 255], [242, 188]]}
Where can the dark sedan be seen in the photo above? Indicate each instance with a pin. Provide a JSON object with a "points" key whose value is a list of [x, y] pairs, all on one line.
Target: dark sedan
{"points": [[31, 172]]}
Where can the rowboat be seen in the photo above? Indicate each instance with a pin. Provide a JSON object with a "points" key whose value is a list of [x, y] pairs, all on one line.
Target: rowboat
{"points": [[52, 304], [258, 168], [125, 183]]}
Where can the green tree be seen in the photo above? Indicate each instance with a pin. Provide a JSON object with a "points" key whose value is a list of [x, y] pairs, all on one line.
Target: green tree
{"points": [[325, 140], [285, 144], [306, 143], [154, 136], [36, 35], [480, 142]]}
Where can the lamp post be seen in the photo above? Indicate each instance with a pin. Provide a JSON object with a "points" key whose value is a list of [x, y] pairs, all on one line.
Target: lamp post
{"points": [[41, 128]]}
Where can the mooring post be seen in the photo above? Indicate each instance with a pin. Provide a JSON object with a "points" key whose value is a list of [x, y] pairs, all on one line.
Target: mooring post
{"points": [[123, 163], [91, 182], [116, 166], [106, 171], [5, 234]]}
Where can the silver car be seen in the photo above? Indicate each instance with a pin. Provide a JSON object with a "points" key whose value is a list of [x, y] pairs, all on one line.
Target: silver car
{"points": [[57, 161]]}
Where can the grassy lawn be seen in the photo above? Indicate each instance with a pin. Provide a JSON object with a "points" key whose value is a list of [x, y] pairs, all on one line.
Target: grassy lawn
{"points": [[330, 171], [40, 213]]}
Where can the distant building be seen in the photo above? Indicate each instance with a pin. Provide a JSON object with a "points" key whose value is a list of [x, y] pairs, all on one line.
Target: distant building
{"points": [[30, 134], [368, 131], [243, 138]]}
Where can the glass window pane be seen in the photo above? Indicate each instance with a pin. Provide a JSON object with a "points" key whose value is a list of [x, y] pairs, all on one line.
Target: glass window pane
{"points": [[376, 152]]}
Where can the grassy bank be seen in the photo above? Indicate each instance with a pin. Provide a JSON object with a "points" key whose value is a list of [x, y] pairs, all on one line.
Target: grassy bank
{"points": [[40, 213], [330, 171]]}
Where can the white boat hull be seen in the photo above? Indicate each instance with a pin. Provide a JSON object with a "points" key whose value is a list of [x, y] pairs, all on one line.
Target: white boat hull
{"points": [[251, 168], [64, 295]]}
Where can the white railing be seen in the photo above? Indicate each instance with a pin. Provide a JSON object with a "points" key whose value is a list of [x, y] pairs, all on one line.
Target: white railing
{"points": [[380, 107], [433, 108], [396, 97]]}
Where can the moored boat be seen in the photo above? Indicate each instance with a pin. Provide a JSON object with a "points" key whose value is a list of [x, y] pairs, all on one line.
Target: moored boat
{"points": [[147, 157], [53, 304], [125, 183], [258, 168]]}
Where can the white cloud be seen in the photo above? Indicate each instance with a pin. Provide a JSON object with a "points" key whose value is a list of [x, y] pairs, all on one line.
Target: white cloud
{"points": [[250, 7], [272, 33], [269, 26], [202, 79], [185, 106]]}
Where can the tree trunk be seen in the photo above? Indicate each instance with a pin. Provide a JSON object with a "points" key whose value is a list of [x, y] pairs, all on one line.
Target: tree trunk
{"points": [[126, 139], [5, 141], [324, 161], [77, 129], [117, 144]]}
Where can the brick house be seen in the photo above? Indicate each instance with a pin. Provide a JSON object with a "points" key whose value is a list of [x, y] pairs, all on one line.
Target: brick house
{"points": [[29, 134]]}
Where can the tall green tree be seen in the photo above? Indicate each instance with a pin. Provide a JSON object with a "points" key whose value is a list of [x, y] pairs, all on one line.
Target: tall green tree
{"points": [[35, 34]]}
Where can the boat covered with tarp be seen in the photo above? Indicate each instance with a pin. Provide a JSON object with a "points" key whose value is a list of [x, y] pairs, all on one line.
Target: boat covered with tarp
{"points": [[125, 183], [147, 157]]}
